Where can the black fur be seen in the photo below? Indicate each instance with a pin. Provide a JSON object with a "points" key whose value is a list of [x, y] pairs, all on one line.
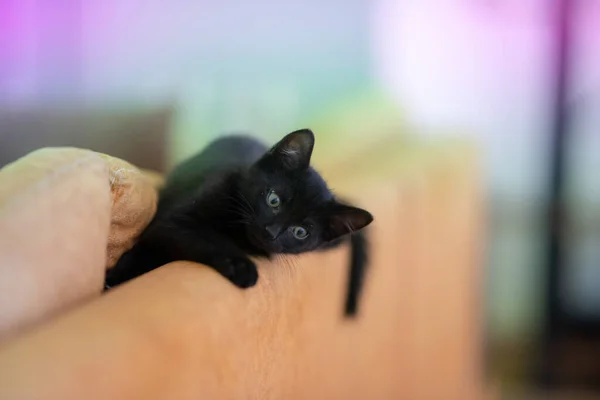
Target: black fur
{"points": [[356, 276], [237, 198]]}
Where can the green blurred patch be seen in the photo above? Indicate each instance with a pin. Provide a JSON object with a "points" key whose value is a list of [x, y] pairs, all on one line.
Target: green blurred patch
{"points": [[352, 124]]}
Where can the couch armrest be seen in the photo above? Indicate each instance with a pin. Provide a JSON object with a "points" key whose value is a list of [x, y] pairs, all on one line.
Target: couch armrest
{"points": [[183, 332]]}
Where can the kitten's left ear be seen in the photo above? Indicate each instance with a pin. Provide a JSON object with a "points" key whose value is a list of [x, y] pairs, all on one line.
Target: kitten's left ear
{"points": [[344, 220], [295, 149]]}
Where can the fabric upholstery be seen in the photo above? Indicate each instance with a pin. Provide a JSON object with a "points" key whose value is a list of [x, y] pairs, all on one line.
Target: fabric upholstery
{"points": [[184, 332]]}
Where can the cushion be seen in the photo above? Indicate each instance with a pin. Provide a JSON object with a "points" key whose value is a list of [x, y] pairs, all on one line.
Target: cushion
{"points": [[66, 215]]}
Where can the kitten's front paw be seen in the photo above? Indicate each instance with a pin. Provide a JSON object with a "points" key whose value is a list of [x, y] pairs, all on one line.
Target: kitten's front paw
{"points": [[240, 271]]}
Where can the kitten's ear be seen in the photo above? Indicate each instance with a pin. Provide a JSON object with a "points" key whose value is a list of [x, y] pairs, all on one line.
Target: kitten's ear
{"points": [[295, 149], [343, 220]]}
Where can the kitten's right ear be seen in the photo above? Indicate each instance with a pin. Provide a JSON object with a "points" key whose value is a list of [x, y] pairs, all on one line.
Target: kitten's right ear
{"points": [[295, 149], [345, 219]]}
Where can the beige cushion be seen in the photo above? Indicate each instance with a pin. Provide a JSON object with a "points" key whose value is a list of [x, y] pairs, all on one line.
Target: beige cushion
{"points": [[65, 216]]}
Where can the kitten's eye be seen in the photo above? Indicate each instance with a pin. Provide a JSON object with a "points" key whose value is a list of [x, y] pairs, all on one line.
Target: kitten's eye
{"points": [[299, 232], [273, 199]]}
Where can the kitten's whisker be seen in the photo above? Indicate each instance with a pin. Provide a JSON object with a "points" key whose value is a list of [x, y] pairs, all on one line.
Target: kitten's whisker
{"points": [[235, 211], [290, 265], [246, 201], [240, 208], [290, 262], [245, 206], [237, 201]]}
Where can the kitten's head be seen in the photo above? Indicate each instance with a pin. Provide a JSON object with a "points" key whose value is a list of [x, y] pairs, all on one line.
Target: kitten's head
{"points": [[293, 210]]}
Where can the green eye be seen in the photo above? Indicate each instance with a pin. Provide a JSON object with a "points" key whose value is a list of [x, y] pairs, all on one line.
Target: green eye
{"points": [[299, 232], [273, 199]]}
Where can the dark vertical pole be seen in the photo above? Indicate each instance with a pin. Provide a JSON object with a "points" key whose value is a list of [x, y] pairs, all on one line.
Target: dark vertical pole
{"points": [[562, 19], [558, 154]]}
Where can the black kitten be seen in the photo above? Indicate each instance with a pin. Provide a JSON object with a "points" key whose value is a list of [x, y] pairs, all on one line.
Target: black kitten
{"points": [[239, 198]]}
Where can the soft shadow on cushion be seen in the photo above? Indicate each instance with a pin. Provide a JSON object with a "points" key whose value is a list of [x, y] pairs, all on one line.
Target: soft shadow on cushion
{"points": [[134, 198]]}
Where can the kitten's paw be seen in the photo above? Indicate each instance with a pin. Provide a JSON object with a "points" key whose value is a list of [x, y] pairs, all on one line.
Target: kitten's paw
{"points": [[240, 271]]}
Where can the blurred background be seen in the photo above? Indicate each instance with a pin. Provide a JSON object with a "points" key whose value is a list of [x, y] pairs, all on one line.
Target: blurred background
{"points": [[179, 73]]}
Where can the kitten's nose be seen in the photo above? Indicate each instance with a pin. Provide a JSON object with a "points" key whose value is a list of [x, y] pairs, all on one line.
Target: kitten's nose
{"points": [[273, 230]]}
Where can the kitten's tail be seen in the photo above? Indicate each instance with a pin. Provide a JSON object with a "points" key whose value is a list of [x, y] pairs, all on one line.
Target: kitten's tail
{"points": [[359, 252]]}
